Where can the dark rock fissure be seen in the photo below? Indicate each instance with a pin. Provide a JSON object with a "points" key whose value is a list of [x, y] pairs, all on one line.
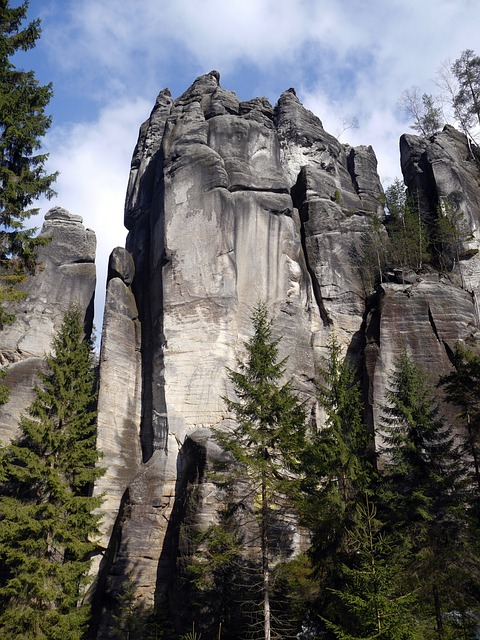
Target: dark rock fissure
{"points": [[432, 323]]}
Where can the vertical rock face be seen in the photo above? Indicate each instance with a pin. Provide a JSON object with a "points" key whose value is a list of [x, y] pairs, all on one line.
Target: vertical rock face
{"points": [[232, 203], [428, 314], [229, 203], [65, 275]]}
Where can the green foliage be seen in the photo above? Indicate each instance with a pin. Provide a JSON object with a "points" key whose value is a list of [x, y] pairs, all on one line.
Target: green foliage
{"points": [[371, 256], [466, 101], [46, 519], [132, 619], [218, 577], [294, 592], [22, 174], [269, 418], [373, 604], [335, 462], [400, 241], [409, 243], [337, 471], [425, 494], [462, 388], [266, 441]]}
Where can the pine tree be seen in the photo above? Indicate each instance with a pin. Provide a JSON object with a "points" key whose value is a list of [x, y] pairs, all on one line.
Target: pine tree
{"points": [[46, 510], [425, 493], [22, 169], [267, 438], [466, 101]]}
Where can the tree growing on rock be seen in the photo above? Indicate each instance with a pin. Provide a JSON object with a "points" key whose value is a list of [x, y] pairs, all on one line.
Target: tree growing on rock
{"points": [[46, 508], [23, 177], [266, 439], [409, 243], [427, 116], [466, 101]]}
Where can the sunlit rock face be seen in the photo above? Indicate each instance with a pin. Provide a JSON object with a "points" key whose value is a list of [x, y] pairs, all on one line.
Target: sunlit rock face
{"points": [[428, 313], [64, 276], [229, 204]]}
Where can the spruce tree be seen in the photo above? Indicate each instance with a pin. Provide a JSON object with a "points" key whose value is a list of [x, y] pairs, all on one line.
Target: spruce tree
{"points": [[374, 606], [337, 471], [46, 510], [267, 437], [462, 388], [425, 494], [23, 178]]}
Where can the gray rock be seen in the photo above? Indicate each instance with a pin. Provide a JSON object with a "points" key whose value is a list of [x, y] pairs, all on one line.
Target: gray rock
{"points": [[64, 276], [121, 266], [119, 397], [231, 203]]}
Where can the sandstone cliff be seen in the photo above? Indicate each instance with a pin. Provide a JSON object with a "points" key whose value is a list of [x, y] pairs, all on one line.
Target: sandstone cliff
{"points": [[65, 276], [230, 203]]}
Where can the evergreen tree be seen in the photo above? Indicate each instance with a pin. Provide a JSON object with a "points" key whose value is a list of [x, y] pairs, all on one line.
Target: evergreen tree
{"points": [[462, 387], [370, 256], [373, 605], [46, 510], [267, 438], [336, 465], [22, 169], [409, 245], [425, 493]]}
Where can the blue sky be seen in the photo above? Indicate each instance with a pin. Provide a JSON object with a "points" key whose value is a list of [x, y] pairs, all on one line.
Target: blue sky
{"points": [[108, 59]]}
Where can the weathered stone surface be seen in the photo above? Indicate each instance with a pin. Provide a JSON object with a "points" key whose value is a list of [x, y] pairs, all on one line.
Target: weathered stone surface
{"points": [[425, 319], [335, 187], [119, 398], [65, 276], [218, 232], [444, 171], [121, 266], [231, 203]]}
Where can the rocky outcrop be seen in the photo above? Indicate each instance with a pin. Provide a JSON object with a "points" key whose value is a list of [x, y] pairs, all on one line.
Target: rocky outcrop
{"points": [[229, 203], [64, 276], [431, 311], [120, 390]]}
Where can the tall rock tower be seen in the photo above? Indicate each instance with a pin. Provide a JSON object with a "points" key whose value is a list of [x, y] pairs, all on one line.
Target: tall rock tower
{"points": [[229, 203], [65, 276]]}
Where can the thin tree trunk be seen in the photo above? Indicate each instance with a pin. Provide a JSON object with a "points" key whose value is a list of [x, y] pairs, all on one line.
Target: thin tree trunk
{"points": [[265, 564], [438, 613]]}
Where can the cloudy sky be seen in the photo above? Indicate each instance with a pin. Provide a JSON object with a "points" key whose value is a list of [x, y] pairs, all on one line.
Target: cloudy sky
{"points": [[108, 59]]}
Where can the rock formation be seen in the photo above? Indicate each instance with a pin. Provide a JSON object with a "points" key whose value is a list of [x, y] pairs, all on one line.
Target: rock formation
{"points": [[65, 276], [230, 203]]}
